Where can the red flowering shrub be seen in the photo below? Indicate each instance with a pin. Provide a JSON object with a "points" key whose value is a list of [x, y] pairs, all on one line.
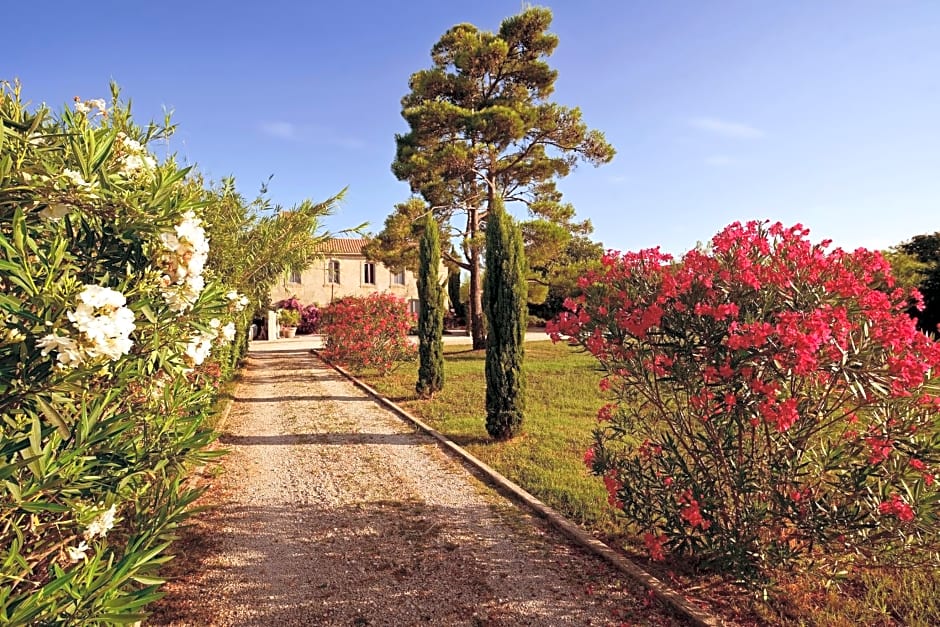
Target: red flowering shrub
{"points": [[369, 332], [772, 401]]}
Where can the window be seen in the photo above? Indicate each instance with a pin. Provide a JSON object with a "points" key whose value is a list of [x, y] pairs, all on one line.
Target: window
{"points": [[332, 271], [414, 306], [295, 276], [398, 278], [368, 273]]}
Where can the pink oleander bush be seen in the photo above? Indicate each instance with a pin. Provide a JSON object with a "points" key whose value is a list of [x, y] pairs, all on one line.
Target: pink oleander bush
{"points": [[309, 315], [368, 332], [771, 403], [309, 319], [289, 303]]}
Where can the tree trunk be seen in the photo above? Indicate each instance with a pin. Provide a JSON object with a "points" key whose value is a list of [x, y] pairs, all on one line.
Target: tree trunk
{"points": [[477, 330]]}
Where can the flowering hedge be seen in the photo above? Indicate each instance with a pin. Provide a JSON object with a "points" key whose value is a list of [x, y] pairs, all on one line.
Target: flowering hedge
{"points": [[368, 332], [112, 342], [771, 401]]}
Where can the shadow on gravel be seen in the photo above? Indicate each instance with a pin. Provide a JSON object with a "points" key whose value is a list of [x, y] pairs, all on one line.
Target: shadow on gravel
{"points": [[269, 374], [336, 439], [293, 377], [320, 398], [277, 353], [383, 563]]}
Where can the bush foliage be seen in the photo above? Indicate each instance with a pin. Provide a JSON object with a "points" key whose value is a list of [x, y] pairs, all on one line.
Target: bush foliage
{"points": [[105, 371], [117, 325], [771, 402], [308, 320], [368, 332]]}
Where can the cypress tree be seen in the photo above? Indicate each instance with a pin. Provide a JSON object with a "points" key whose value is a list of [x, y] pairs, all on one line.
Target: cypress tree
{"points": [[431, 316], [504, 302]]}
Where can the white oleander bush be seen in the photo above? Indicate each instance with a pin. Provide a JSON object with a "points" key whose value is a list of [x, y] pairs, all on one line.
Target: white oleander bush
{"points": [[114, 336]]}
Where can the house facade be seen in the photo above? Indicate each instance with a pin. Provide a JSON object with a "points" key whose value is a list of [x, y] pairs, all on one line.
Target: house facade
{"points": [[342, 271]]}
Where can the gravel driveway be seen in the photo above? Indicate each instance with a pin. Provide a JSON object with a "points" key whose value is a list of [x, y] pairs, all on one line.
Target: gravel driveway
{"points": [[329, 510]]}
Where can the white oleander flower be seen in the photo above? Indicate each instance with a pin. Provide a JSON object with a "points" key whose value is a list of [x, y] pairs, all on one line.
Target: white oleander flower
{"points": [[128, 144], [68, 353], [199, 348], [77, 553], [104, 321], [133, 157], [98, 296], [75, 178], [190, 230], [111, 347], [131, 164], [228, 331], [170, 241], [85, 107], [102, 523], [156, 392], [183, 263], [238, 301]]}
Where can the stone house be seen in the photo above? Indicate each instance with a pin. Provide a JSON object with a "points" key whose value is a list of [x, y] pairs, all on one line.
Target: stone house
{"points": [[342, 271]]}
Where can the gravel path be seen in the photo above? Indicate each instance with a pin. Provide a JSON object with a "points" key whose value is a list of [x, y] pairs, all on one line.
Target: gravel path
{"points": [[329, 510]]}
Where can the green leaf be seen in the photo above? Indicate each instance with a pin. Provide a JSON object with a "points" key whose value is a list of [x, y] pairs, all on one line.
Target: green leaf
{"points": [[53, 416], [103, 151], [148, 313], [148, 581], [43, 506]]}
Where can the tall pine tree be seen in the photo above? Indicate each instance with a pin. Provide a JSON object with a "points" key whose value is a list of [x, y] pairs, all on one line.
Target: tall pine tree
{"points": [[481, 127], [431, 316], [504, 302]]}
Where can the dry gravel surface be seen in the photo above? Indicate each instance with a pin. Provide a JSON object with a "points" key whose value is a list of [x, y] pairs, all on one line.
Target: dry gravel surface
{"points": [[330, 510]]}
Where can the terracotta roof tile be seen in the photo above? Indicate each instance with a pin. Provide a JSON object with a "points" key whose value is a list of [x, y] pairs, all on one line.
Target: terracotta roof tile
{"points": [[343, 246]]}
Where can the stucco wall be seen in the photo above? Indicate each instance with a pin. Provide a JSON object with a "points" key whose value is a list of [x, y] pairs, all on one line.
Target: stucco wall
{"points": [[314, 287]]}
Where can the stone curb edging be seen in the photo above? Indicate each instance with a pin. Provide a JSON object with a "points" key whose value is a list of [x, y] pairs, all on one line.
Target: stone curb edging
{"points": [[669, 597]]}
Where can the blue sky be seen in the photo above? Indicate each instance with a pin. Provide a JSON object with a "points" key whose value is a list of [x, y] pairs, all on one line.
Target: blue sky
{"points": [[820, 112]]}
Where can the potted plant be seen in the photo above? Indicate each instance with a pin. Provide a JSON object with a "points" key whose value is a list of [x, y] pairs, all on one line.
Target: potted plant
{"points": [[288, 319]]}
